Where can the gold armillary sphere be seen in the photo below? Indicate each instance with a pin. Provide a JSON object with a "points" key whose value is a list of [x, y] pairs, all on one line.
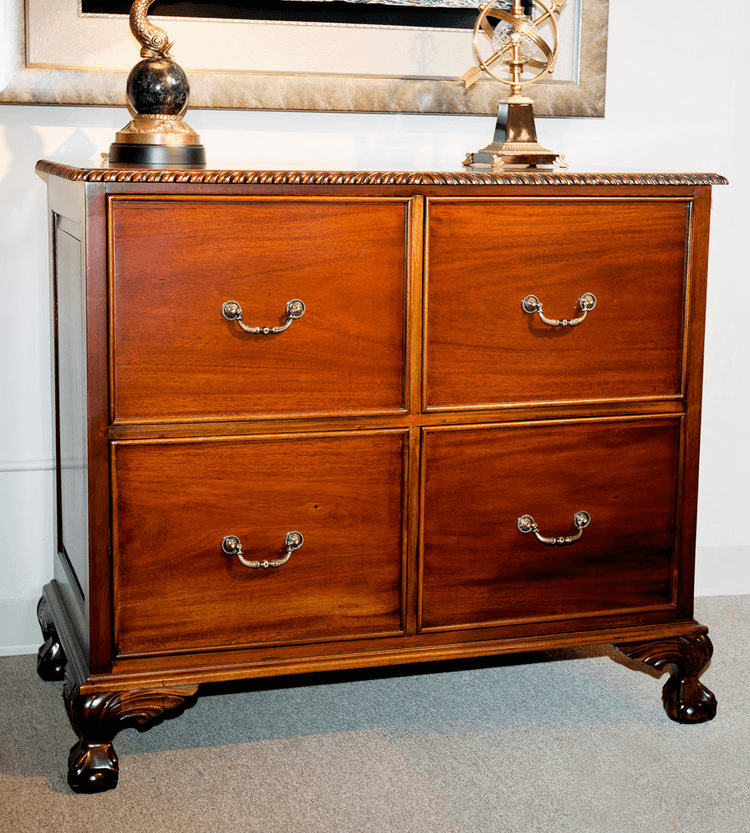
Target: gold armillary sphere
{"points": [[516, 42], [516, 46]]}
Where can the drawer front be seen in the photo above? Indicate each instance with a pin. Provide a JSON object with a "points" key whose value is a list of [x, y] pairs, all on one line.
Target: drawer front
{"points": [[175, 587], [176, 262], [485, 257], [478, 568]]}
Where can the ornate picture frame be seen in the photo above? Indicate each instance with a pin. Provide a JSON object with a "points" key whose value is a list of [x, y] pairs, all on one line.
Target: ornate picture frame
{"points": [[57, 55]]}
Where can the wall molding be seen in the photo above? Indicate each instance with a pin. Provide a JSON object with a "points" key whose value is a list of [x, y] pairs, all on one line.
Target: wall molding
{"points": [[26, 465]]}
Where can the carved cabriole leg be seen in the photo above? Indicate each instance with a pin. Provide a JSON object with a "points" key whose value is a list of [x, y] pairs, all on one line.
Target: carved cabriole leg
{"points": [[685, 698], [50, 660], [98, 717]]}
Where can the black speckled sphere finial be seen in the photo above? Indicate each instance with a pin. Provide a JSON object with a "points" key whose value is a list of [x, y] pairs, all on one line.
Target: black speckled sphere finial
{"points": [[158, 86]]}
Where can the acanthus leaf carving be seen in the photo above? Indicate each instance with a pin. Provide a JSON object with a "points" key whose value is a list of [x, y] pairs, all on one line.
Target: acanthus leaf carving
{"points": [[97, 717]]}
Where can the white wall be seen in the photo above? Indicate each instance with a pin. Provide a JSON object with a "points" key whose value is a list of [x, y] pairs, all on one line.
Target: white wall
{"points": [[677, 100]]}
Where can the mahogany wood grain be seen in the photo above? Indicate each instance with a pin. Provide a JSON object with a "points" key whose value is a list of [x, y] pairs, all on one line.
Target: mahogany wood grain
{"points": [[479, 568], [176, 262], [403, 425], [175, 589], [281, 660], [487, 350]]}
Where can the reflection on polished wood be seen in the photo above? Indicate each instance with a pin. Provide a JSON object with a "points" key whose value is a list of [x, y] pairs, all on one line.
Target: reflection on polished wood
{"points": [[50, 663]]}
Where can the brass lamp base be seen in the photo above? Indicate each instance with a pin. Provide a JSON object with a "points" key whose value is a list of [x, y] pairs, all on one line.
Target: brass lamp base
{"points": [[157, 92], [157, 141], [514, 143]]}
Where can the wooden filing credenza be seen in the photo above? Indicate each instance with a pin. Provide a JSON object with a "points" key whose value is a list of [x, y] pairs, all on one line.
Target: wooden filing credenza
{"points": [[317, 421]]}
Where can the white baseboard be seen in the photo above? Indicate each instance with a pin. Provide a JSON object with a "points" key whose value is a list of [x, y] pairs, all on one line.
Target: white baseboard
{"points": [[722, 571], [18, 650], [19, 628]]}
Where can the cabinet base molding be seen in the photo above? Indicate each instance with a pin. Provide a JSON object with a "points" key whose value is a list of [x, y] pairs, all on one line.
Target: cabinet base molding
{"points": [[685, 698], [97, 714]]}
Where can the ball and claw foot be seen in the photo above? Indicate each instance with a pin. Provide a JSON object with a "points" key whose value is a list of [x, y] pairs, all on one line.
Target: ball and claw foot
{"points": [[51, 659], [685, 698], [97, 717], [92, 767]]}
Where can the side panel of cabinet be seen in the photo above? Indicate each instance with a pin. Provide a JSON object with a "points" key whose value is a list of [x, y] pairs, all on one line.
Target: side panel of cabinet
{"points": [[79, 300], [71, 464]]}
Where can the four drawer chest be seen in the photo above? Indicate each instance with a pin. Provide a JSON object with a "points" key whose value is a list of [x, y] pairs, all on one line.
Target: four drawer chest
{"points": [[310, 421]]}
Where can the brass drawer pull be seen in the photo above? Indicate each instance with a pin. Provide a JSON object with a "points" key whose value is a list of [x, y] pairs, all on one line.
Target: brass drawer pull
{"points": [[581, 519], [232, 545], [232, 311], [586, 303]]}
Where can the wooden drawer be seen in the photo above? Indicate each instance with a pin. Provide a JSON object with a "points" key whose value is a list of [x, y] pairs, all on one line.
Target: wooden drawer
{"points": [[478, 568], [175, 262], [485, 257], [175, 589]]}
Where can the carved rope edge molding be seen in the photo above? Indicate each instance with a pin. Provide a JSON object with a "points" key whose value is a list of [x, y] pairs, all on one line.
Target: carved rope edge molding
{"points": [[240, 177]]}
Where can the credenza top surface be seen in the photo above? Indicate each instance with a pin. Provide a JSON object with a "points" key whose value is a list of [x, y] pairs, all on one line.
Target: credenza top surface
{"points": [[460, 177]]}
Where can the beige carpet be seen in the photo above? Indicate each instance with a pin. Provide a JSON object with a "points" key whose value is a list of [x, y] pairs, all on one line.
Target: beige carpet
{"points": [[536, 745]]}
